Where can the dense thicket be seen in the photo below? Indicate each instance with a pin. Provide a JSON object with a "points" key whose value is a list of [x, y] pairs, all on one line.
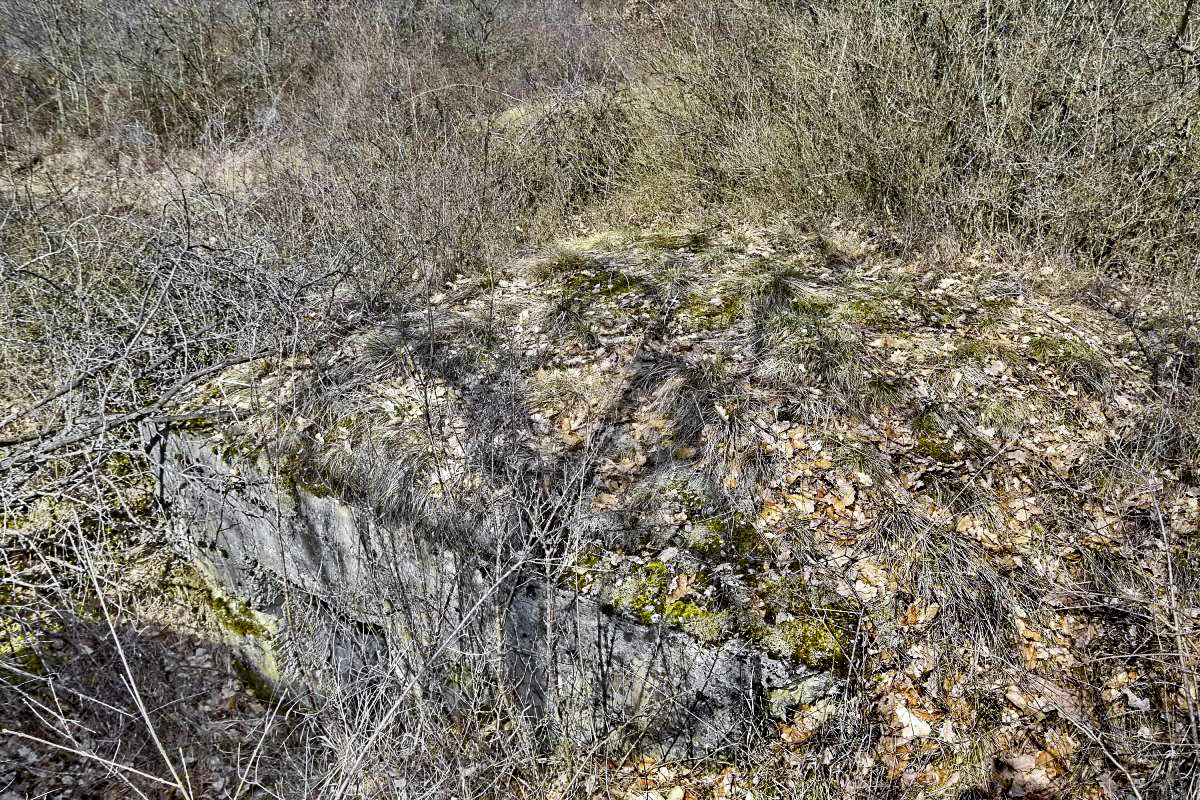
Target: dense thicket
{"points": [[1063, 123]]}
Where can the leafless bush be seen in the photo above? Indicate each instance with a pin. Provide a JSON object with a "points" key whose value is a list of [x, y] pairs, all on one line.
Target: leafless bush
{"points": [[282, 172], [1056, 123]]}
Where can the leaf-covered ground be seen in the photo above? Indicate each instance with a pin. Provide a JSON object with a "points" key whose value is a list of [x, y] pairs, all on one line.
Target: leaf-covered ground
{"points": [[959, 485]]}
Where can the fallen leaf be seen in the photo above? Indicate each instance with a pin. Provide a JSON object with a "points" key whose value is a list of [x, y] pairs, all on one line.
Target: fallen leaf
{"points": [[911, 726]]}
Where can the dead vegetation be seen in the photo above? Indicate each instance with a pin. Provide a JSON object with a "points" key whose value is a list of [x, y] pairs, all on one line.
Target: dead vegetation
{"points": [[896, 301]]}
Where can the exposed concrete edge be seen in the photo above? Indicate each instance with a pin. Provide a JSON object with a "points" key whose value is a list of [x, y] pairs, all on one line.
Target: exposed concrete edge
{"points": [[338, 592]]}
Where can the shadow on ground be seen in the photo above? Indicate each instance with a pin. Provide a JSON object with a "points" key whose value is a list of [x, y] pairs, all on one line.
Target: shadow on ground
{"points": [[71, 688]]}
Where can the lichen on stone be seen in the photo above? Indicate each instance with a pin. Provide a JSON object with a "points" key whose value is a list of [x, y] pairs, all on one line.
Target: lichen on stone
{"points": [[808, 640], [707, 626]]}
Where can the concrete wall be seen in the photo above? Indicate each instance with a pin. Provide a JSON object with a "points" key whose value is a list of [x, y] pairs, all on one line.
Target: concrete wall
{"points": [[340, 598]]}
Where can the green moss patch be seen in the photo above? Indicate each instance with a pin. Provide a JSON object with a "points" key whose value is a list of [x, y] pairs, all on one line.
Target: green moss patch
{"points": [[605, 282], [737, 532], [643, 591], [938, 448], [20, 649], [644, 594], [707, 626], [228, 614], [295, 473], [808, 640], [235, 616], [711, 313]]}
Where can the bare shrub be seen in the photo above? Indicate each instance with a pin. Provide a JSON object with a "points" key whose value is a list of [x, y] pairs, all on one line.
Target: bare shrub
{"points": [[191, 186], [1036, 122]]}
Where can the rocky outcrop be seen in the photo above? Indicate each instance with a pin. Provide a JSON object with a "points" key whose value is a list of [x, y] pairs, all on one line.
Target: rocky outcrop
{"points": [[333, 598], [676, 490]]}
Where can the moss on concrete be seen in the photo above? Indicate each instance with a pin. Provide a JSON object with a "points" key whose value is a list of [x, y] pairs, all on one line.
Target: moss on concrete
{"points": [[706, 543], [643, 591], [236, 617], [264, 687], [707, 626], [247, 632], [295, 474], [584, 570], [231, 618], [807, 640]]}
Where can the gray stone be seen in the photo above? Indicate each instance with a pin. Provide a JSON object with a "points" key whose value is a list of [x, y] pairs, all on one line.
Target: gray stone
{"points": [[348, 599]]}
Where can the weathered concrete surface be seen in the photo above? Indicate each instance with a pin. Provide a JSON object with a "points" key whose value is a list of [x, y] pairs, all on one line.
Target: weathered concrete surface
{"points": [[347, 599], [596, 672]]}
